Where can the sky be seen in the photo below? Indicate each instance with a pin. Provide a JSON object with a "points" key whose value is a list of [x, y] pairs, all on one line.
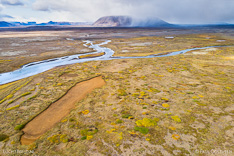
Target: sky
{"points": [[172, 11]]}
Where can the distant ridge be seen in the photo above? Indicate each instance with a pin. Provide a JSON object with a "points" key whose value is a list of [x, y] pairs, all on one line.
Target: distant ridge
{"points": [[5, 24], [109, 21], [50, 23]]}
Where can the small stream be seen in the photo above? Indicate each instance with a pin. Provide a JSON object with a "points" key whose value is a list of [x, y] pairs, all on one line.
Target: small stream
{"points": [[42, 66]]}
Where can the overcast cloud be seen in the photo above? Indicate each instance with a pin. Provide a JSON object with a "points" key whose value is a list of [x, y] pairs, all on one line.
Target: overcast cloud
{"points": [[11, 2], [173, 11], [1, 7]]}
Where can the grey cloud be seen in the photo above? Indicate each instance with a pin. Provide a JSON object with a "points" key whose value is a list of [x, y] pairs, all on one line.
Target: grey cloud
{"points": [[1, 7], [3, 16], [12, 2], [174, 11]]}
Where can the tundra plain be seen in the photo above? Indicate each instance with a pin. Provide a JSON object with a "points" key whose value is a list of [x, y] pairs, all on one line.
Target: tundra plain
{"points": [[177, 105]]}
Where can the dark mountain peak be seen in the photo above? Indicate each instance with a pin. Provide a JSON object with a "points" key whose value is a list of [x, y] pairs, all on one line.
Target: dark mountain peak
{"points": [[126, 21], [113, 21]]}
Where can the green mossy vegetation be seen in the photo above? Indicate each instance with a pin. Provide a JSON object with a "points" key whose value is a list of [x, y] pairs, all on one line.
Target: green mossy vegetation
{"points": [[128, 113]]}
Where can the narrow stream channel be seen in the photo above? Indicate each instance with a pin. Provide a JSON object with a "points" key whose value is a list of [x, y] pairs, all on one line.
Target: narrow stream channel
{"points": [[42, 66]]}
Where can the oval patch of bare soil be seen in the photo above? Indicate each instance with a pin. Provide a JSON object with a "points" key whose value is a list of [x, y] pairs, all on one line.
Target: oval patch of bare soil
{"points": [[58, 110]]}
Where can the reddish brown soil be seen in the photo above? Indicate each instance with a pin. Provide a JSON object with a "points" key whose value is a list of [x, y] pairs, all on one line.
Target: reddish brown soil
{"points": [[58, 110]]}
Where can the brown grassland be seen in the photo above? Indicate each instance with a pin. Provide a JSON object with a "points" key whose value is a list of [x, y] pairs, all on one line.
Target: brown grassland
{"points": [[155, 106]]}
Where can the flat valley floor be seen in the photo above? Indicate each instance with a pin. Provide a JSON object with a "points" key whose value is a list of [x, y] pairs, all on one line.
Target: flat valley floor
{"points": [[177, 105]]}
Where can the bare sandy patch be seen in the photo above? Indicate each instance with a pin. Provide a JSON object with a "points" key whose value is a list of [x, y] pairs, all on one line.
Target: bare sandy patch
{"points": [[58, 110]]}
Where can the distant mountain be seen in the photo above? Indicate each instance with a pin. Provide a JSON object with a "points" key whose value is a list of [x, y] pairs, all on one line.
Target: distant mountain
{"points": [[107, 21], [5, 24], [126, 21], [23, 24], [113, 21], [50, 23]]}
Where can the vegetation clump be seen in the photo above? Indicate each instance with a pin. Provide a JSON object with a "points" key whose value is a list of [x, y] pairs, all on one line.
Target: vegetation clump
{"points": [[176, 118], [126, 116], [118, 121], [143, 124], [19, 127], [24, 94], [143, 130], [88, 133], [121, 92], [3, 137], [146, 122], [11, 108], [85, 112], [58, 138], [175, 136]]}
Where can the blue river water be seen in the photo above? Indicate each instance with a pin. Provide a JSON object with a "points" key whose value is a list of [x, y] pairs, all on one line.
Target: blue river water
{"points": [[42, 66]]}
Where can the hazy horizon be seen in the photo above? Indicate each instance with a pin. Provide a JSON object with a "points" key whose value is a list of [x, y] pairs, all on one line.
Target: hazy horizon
{"points": [[171, 11]]}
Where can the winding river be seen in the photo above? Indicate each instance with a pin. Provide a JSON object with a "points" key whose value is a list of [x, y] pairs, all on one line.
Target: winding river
{"points": [[42, 66]]}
